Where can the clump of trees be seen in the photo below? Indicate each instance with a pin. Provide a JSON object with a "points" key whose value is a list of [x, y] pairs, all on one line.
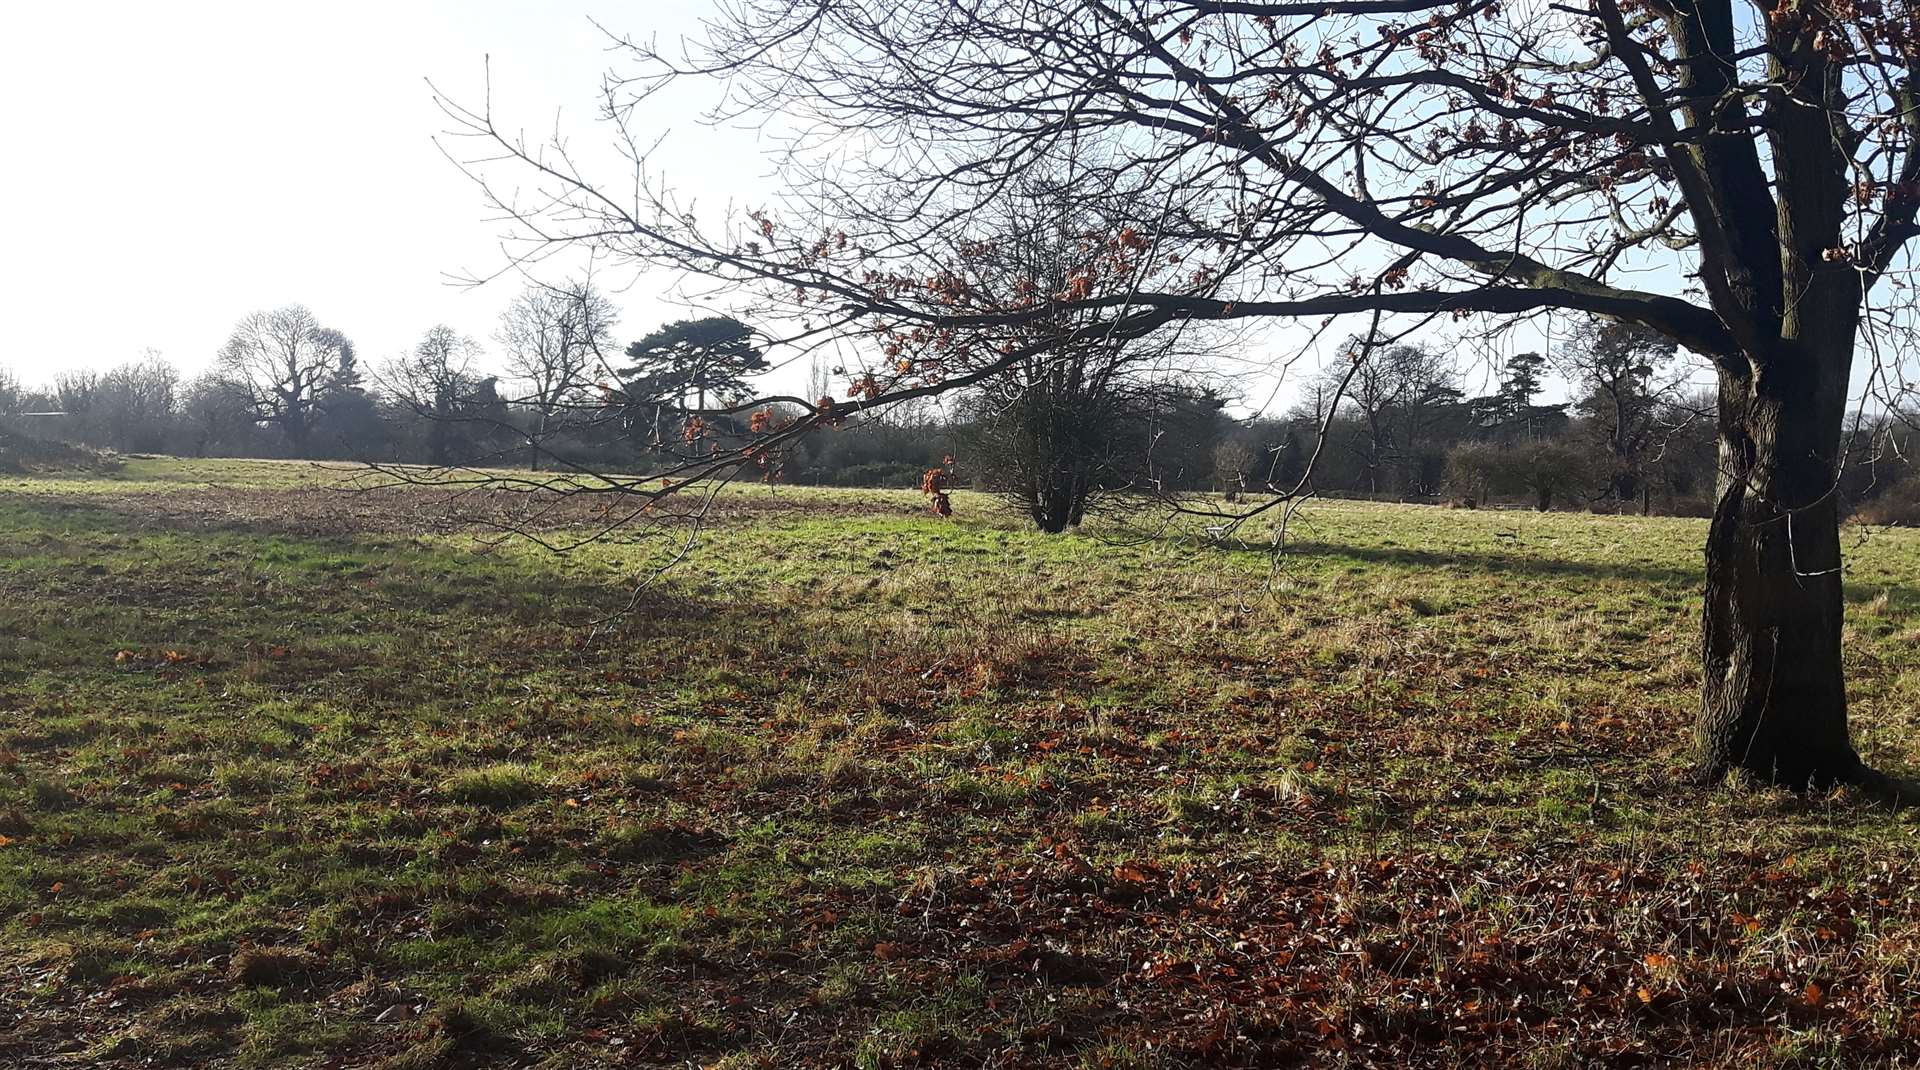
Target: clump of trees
{"points": [[1543, 471], [456, 411], [1625, 379], [287, 385], [293, 375], [1398, 398], [1395, 422], [1058, 442], [126, 408], [1107, 415], [554, 342]]}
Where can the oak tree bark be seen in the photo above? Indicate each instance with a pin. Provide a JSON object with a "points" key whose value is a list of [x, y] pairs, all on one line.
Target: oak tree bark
{"points": [[1774, 700]]}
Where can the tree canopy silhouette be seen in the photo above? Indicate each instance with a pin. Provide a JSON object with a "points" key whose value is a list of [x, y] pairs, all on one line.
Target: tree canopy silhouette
{"points": [[713, 356]]}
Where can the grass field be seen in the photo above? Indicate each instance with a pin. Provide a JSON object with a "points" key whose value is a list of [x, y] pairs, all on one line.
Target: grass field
{"points": [[291, 776]]}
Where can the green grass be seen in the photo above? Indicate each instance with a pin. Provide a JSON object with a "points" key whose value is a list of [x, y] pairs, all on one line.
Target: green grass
{"points": [[296, 777]]}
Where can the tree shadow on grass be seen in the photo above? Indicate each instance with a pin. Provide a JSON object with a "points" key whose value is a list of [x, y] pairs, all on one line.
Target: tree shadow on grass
{"points": [[445, 581], [1497, 564], [1901, 598]]}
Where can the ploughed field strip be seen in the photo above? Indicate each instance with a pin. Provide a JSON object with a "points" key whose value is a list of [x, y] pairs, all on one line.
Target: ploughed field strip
{"points": [[296, 777]]}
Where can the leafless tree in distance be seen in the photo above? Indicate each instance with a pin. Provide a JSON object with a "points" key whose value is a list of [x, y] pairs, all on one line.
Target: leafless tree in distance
{"points": [[285, 367], [1392, 390], [555, 340], [438, 382], [1082, 424]]}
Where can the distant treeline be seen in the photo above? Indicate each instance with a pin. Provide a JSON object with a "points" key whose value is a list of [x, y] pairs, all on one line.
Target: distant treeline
{"points": [[1392, 424]]}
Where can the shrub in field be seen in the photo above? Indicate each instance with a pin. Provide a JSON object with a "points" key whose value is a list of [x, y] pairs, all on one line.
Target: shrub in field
{"points": [[1543, 470], [1898, 506], [21, 453]]}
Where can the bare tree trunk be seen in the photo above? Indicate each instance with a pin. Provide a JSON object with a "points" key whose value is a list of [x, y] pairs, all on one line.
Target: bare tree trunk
{"points": [[1053, 508], [299, 432], [1774, 698], [1373, 466], [1061, 502], [438, 448]]}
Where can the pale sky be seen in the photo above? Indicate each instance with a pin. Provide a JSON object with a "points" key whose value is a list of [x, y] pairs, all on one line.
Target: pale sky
{"points": [[170, 168]]}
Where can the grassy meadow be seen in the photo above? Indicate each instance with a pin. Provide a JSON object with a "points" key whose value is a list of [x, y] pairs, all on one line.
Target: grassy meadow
{"points": [[293, 775]]}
